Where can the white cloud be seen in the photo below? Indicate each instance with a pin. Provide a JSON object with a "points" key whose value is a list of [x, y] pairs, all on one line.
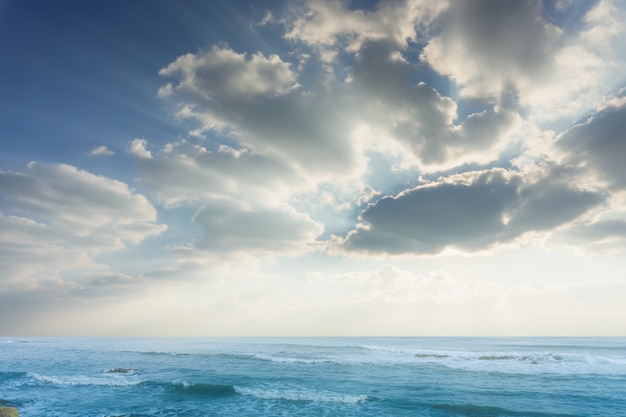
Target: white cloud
{"points": [[605, 24], [268, 18], [563, 4], [417, 118], [60, 217], [287, 138], [488, 45], [102, 150], [183, 171], [228, 227], [326, 23], [257, 103], [589, 65], [318, 132], [222, 74], [138, 149]]}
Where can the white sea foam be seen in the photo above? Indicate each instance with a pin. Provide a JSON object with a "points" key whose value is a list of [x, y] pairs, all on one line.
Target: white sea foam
{"points": [[182, 383], [556, 361], [529, 362], [284, 359], [295, 394], [73, 380]]}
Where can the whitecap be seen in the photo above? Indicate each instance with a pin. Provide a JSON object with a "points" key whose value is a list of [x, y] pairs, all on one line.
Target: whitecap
{"points": [[301, 395], [75, 380]]}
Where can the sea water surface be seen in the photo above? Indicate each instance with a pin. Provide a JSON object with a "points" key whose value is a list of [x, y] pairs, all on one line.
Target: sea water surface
{"points": [[434, 377]]}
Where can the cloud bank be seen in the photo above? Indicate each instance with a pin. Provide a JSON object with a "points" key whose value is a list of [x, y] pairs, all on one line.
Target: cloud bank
{"points": [[58, 217]]}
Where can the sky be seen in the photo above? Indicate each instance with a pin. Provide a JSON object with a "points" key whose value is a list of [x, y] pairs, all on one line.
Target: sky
{"points": [[312, 168]]}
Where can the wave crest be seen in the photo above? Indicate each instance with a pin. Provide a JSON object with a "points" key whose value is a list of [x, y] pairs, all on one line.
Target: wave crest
{"points": [[286, 359], [202, 389], [301, 395], [76, 380]]}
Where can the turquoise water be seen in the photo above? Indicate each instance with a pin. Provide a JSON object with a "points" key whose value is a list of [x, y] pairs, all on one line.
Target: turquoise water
{"points": [[438, 377]]}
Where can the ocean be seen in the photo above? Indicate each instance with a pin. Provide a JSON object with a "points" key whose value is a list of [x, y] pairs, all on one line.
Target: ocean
{"points": [[430, 377]]}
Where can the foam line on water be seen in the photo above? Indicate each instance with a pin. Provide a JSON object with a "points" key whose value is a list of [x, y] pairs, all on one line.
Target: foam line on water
{"points": [[75, 380], [295, 394]]}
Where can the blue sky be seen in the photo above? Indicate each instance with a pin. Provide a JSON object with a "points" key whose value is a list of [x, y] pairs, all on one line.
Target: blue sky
{"points": [[392, 167]]}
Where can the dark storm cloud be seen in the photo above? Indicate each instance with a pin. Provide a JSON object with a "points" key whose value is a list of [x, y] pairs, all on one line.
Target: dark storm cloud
{"points": [[470, 212], [599, 145]]}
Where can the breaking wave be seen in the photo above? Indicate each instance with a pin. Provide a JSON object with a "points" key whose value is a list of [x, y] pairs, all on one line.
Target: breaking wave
{"points": [[201, 389], [84, 380], [301, 395]]}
